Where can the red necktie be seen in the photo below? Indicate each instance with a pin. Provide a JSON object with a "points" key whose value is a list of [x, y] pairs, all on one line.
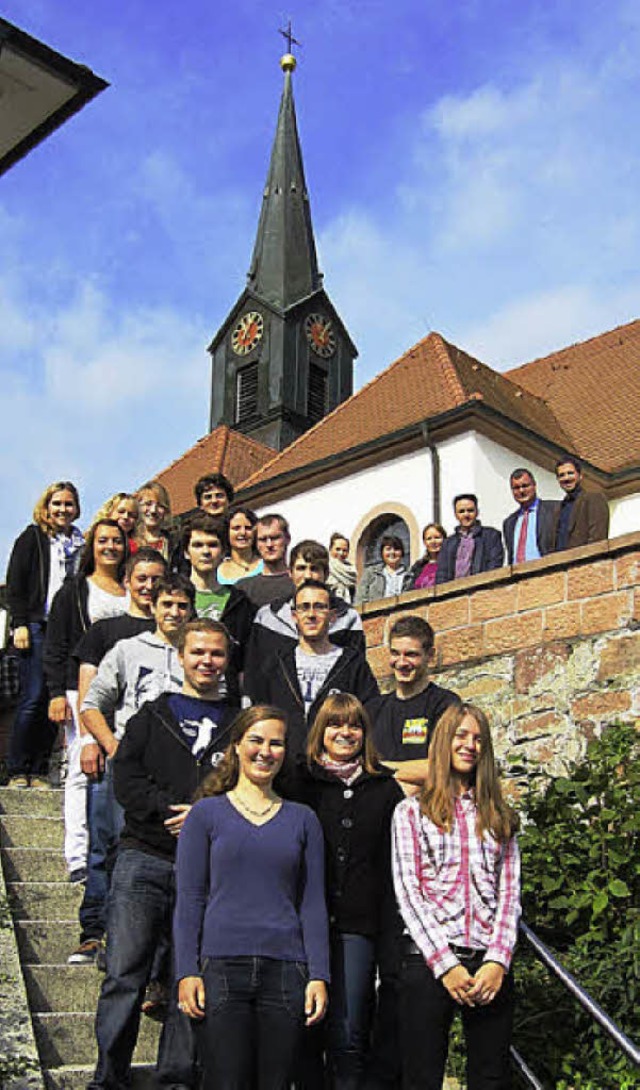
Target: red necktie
{"points": [[521, 551]]}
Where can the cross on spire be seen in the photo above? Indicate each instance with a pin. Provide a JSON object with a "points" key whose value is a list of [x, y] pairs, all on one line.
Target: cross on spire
{"points": [[288, 35]]}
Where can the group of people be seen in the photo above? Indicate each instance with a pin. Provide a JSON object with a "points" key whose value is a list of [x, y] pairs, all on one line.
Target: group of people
{"points": [[536, 528], [306, 876]]}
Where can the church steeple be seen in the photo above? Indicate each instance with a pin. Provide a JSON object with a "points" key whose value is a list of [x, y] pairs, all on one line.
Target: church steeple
{"points": [[283, 358], [284, 265]]}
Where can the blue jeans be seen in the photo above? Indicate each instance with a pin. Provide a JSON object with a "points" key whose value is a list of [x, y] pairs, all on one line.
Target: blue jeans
{"points": [[105, 818], [33, 734], [140, 908], [254, 1016], [353, 971]]}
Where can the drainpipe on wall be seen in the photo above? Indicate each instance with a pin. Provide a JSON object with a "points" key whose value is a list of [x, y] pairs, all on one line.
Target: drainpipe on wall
{"points": [[435, 470]]}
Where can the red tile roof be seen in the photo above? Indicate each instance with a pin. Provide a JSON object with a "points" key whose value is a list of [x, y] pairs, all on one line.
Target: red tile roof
{"points": [[593, 389], [432, 378], [222, 451]]}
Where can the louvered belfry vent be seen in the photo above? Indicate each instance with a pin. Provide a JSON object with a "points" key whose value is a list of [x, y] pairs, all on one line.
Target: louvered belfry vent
{"points": [[247, 393]]}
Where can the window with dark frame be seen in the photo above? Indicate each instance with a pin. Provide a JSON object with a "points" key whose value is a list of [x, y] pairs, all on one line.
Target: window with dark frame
{"points": [[317, 394], [247, 393]]}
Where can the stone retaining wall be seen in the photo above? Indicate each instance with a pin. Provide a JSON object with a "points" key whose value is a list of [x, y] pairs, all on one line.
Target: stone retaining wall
{"points": [[549, 649]]}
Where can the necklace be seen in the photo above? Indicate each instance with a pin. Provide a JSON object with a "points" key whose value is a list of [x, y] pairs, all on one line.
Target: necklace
{"points": [[250, 810]]}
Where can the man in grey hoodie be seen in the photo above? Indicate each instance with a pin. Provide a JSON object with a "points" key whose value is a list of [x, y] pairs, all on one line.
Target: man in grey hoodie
{"points": [[135, 670]]}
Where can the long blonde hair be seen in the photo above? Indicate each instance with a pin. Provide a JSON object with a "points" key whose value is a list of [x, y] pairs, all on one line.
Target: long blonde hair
{"points": [[41, 509], [439, 790], [225, 776]]}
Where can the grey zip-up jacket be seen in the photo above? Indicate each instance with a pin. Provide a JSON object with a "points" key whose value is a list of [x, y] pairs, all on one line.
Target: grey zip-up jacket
{"points": [[134, 671]]}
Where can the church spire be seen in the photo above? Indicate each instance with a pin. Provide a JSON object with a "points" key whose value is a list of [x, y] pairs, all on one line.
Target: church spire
{"points": [[284, 265]]}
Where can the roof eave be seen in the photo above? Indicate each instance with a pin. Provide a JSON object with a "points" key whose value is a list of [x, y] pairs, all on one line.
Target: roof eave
{"points": [[460, 413], [88, 85]]}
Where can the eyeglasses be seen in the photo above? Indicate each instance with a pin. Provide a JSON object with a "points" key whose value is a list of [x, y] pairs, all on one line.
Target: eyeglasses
{"points": [[311, 607]]}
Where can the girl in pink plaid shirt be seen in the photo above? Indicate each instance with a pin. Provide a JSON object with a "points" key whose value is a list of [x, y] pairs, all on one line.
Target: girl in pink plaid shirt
{"points": [[456, 872]]}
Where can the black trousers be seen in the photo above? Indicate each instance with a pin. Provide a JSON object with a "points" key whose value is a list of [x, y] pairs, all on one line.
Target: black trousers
{"points": [[426, 1012]]}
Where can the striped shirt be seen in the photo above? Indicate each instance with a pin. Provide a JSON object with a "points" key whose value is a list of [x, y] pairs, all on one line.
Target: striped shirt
{"points": [[455, 887]]}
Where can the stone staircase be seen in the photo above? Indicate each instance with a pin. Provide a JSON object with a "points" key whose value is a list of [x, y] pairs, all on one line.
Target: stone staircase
{"points": [[44, 907]]}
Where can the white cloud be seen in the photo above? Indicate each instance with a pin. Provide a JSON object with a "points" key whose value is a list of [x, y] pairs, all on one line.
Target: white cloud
{"points": [[534, 326], [118, 396], [514, 227]]}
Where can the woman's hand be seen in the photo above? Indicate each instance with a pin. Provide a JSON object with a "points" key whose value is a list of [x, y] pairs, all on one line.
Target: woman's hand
{"points": [[315, 1001], [191, 996], [59, 710], [459, 983], [21, 638], [487, 983]]}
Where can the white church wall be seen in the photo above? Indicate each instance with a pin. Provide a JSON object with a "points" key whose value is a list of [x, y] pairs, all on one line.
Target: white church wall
{"points": [[468, 463], [625, 515], [474, 463], [352, 501]]}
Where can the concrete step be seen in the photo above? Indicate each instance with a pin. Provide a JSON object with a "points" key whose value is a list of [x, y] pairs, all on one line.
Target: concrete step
{"points": [[63, 987], [31, 802], [69, 1039], [21, 831], [47, 942], [34, 865], [44, 900], [76, 1078]]}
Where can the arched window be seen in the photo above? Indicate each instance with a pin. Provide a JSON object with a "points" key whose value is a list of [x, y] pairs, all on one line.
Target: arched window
{"points": [[369, 545]]}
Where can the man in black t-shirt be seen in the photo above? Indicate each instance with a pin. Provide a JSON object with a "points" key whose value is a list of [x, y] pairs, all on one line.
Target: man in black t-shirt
{"points": [[403, 721]]}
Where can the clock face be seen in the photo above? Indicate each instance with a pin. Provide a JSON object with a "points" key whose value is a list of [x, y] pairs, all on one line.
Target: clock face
{"points": [[320, 335], [248, 333]]}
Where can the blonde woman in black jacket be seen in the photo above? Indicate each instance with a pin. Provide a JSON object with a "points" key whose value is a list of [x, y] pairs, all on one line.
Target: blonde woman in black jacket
{"points": [[44, 554]]}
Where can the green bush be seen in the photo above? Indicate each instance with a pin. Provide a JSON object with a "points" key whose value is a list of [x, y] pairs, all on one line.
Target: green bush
{"points": [[581, 887]]}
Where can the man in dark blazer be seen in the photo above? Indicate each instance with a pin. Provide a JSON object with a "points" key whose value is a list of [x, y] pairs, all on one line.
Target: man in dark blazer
{"points": [[472, 547], [529, 531], [582, 517]]}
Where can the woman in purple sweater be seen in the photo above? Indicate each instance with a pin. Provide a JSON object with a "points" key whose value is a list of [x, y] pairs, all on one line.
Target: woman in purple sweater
{"points": [[250, 925]]}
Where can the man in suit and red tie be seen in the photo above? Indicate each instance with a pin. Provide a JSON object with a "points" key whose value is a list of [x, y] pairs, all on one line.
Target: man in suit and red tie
{"points": [[529, 532]]}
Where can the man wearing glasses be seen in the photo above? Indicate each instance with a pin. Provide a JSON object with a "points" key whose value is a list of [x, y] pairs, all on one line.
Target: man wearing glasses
{"points": [[299, 678], [272, 541]]}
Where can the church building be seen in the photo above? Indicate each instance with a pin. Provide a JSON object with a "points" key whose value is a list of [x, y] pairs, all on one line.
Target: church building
{"points": [[291, 435]]}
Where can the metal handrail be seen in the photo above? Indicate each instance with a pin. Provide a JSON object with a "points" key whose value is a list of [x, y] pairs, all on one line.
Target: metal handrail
{"points": [[525, 1070], [623, 1042]]}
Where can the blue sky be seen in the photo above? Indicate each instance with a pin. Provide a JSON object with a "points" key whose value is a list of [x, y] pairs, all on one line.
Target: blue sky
{"points": [[473, 168]]}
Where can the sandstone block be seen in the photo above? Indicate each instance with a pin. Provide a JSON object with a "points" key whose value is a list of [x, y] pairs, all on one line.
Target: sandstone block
{"points": [[459, 644], [374, 630], [620, 655], [544, 590], [627, 569], [512, 633], [588, 580], [535, 665], [494, 602], [483, 687], [605, 614], [600, 705], [550, 722], [562, 621], [452, 613], [378, 659]]}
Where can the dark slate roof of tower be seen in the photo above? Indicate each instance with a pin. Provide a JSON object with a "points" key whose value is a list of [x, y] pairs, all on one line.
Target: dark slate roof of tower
{"points": [[284, 266]]}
